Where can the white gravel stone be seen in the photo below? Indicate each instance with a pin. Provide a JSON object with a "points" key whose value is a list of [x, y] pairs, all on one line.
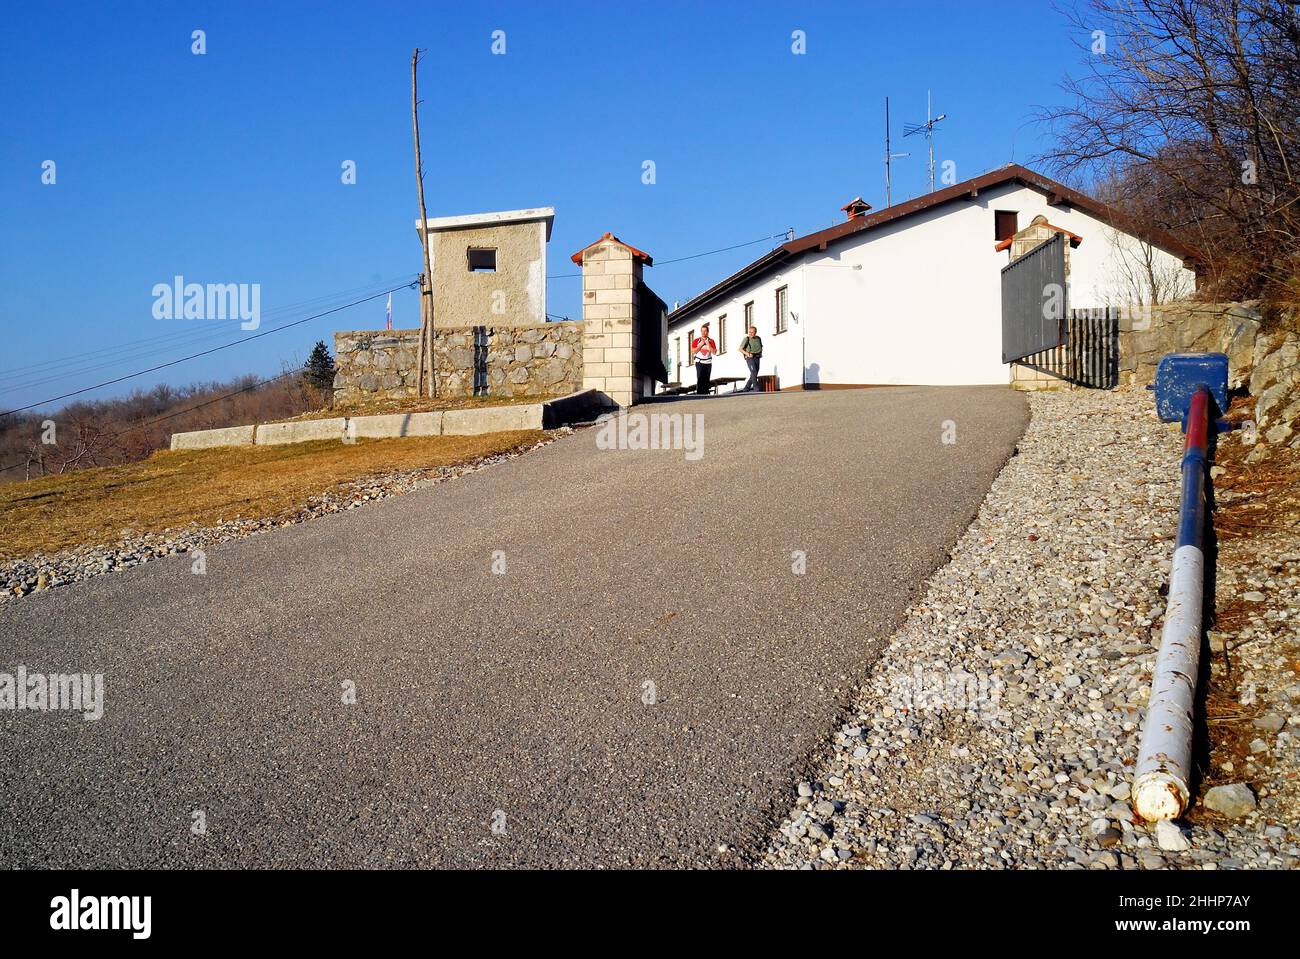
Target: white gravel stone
{"points": [[1170, 837], [999, 725]]}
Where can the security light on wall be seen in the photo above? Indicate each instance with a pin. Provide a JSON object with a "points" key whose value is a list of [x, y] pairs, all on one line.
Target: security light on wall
{"points": [[482, 260]]}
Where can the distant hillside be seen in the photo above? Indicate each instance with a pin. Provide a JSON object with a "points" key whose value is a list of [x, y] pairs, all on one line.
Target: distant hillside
{"points": [[115, 431]]}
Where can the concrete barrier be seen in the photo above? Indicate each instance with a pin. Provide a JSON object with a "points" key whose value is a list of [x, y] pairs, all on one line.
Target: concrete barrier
{"points": [[574, 408], [395, 424], [207, 439], [491, 419], [301, 431]]}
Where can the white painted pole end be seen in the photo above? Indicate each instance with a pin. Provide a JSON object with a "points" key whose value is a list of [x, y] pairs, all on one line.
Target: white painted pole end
{"points": [[1158, 795]]}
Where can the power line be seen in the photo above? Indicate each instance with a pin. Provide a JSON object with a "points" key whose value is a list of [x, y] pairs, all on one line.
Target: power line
{"points": [[178, 337], [681, 259], [183, 334], [176, 413], [725, 249], [54, 375], [136, 355], [193, 356]]}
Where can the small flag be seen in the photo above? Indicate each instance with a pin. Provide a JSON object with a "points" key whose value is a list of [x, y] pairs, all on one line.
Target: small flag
{"points": [[390, 312]]}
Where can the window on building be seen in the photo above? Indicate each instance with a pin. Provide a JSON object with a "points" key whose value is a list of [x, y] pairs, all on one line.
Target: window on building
{"points": [[690, 347], [722, 333], [677, 357], [1005, 224], [749, 317], [482, 260], [782, 309]]}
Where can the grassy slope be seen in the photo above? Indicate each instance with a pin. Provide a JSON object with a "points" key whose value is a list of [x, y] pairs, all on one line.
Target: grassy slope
{"points": [[173, 489]]}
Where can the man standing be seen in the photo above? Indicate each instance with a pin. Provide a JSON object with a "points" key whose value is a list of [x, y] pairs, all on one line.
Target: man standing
{"points": [[703, 350], [751, 348]]}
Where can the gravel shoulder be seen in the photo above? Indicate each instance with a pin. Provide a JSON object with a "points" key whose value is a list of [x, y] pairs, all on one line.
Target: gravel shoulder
{"points": [[999, 726]]}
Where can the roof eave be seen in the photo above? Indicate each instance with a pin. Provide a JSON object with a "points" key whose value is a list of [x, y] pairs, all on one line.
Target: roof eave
{"points": [[1057, 194], [748, 272]]}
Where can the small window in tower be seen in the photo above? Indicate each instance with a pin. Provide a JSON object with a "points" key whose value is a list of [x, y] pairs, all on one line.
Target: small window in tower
{"points": [[482, 260]]}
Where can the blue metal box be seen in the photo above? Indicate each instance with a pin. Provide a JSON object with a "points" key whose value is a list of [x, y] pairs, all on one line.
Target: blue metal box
{"points": [[1179, 375]]}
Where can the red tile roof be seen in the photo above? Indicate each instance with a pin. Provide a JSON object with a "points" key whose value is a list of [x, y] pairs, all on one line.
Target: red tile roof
{"points": [[1057, 193], [636, 254], [1074, 238]]}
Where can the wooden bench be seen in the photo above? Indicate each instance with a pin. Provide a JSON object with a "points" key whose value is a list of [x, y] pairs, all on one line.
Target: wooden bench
{"points": [[677, 390]]}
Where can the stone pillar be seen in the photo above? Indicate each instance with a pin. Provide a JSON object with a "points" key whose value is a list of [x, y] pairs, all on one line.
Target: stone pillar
{"points": [[611, 273]]}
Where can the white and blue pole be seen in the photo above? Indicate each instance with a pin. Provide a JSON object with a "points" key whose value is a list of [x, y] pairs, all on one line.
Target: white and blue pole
{"points": [[1161, 784]]}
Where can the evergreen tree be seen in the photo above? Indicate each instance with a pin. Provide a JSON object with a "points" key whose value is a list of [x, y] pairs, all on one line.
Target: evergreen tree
{"points": [[319, 368]]}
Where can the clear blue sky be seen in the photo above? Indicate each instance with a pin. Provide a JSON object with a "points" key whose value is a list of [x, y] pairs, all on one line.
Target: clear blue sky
{"points": [[225, 167]]}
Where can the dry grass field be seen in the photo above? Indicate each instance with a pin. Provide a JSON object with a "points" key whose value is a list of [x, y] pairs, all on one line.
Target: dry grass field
{"points": [[174, 489]]}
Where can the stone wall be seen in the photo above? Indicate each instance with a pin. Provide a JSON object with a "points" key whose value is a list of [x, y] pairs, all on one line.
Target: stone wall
{"points": [[376, 363], [1188, 327], [536, 359], [1275, 385], [543, 359], [1265, 363]]}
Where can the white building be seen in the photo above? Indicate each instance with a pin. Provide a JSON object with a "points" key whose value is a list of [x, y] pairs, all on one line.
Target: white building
{"points": [[912, 294], [489, 265]]}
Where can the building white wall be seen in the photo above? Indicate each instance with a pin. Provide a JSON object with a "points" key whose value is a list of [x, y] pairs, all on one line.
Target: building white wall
{"points": [[917, 301], [782, 354]]}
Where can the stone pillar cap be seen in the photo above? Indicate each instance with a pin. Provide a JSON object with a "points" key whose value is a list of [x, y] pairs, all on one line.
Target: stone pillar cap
{"points": [[611, 238]]}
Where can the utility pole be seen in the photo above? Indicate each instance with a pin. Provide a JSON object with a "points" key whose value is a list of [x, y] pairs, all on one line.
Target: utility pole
{"points": [[426, 286]]}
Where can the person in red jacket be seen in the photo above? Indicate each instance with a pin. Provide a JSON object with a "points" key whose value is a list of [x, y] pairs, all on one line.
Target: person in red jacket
{"points": [[703, 349]]}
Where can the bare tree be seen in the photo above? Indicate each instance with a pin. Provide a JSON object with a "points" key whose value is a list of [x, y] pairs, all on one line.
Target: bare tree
{"points": [[123, 429], [1141, 273], [1188, 109]]}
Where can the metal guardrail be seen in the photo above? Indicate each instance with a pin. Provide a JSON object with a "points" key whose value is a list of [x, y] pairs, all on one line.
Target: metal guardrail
{"points": [[1190, 387]]}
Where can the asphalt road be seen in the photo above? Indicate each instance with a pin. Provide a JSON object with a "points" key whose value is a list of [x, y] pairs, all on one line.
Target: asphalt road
{"points": [[514, 698]]}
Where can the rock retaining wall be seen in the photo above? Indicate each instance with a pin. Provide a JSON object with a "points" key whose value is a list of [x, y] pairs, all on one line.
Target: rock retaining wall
{"points": [[543, 359], [1147, 335], [1264, 362], [538, 359], [371, 364], [1275, 385]]}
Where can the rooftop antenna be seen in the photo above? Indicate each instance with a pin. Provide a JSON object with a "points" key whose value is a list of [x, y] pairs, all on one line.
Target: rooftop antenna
{"points": [[889, 158], [909, 129]]}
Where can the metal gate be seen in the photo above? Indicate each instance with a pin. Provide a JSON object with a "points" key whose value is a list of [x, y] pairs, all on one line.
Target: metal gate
{"points": [[1090, 354], [1033, 301], [480, 361]]}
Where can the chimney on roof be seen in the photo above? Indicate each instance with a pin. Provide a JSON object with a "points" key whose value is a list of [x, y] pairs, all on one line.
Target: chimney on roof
{"points": [[855, 208]]}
